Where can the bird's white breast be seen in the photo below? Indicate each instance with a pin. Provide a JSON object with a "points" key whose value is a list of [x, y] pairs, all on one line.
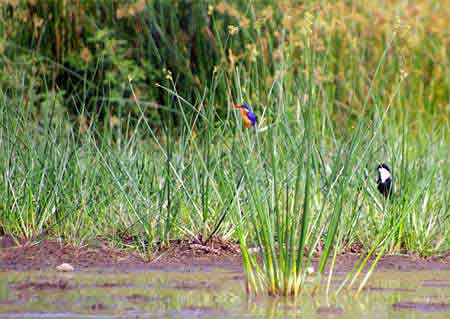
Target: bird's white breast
{"points": [[384, 174]]}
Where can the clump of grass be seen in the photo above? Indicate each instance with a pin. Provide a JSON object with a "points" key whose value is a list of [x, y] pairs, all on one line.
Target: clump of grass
{"points": [[287, 227], [284, 234]]}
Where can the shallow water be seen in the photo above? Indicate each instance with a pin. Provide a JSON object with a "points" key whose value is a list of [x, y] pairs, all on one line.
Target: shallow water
{"points": [[212, 293]]}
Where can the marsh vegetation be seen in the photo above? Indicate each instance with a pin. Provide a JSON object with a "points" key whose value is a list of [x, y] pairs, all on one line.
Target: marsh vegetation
{"points": [[116, 123]]}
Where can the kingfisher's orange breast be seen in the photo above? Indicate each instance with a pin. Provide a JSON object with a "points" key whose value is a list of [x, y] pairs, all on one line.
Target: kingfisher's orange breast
{"points": [[245, 118]]}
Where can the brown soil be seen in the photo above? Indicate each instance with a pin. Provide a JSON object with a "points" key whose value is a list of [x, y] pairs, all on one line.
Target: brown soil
{"points": [[184, 254], [49, 254]]}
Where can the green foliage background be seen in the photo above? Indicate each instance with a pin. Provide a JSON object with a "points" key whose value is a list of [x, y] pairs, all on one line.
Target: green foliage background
{"points": [[85, 52]]}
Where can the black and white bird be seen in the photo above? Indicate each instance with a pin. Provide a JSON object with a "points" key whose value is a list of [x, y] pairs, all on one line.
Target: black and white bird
{"points": [[384, 180]]}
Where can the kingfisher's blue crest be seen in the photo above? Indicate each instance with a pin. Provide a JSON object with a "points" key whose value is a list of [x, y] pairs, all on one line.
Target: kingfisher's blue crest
{"points": [[247, 114]]}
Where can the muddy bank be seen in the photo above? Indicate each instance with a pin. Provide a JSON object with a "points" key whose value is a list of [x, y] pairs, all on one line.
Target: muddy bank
{"points": [[47, 254]]}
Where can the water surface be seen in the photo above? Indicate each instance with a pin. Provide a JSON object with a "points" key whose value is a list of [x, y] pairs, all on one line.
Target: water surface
{"points": [[214, 293]]}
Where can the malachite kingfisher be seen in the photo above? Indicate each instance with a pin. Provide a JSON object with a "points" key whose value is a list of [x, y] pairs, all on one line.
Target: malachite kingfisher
{"points": [[248, 116]]}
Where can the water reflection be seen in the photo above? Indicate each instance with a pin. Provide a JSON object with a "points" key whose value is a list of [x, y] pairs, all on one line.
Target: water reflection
{"points": [[218, 294]]}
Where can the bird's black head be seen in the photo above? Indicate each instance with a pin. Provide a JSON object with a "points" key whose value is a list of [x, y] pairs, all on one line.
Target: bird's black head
{"points": [[382, 165]]}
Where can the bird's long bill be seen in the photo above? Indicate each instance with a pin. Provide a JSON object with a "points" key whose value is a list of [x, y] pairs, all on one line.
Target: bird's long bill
{"points": [[237, 106]]}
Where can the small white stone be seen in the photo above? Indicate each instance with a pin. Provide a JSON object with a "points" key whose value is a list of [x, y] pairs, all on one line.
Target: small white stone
{"points": [[65, 267]]}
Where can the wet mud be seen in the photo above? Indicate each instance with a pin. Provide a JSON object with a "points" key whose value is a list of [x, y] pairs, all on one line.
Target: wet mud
{"points": [[181, 255]]}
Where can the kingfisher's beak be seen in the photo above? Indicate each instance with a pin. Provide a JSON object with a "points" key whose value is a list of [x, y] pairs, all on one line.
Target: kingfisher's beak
{"points": [[239, 107]]}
